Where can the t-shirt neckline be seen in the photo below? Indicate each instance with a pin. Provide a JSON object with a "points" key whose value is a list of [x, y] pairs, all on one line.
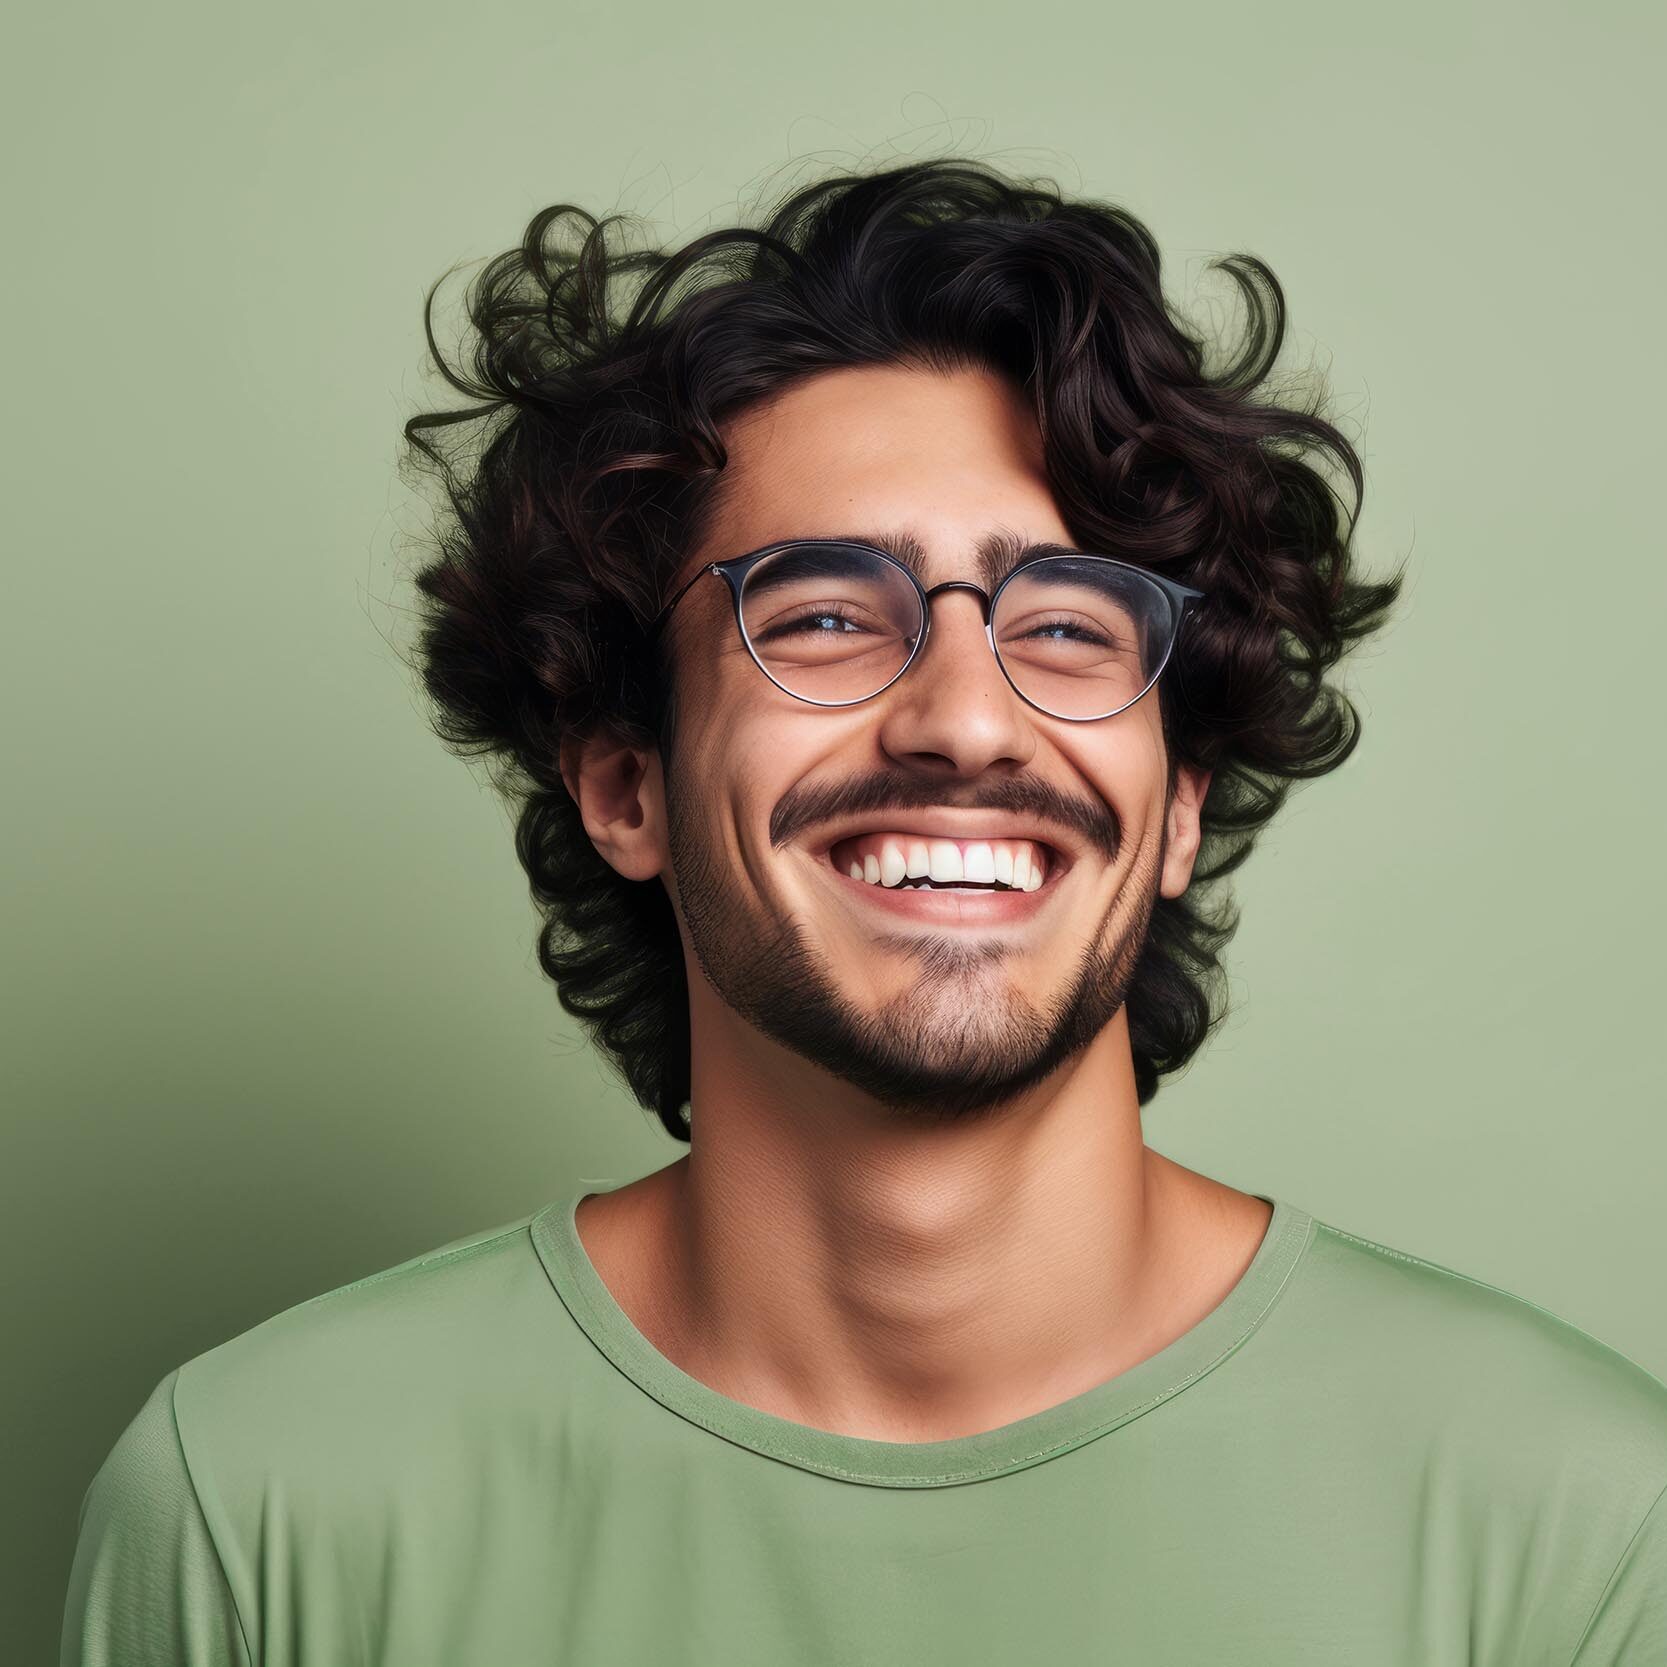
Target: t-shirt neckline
{"points": [[973, 1458]]}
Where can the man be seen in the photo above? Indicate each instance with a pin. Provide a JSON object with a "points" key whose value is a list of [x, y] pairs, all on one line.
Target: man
{"points": [[893, 629]]}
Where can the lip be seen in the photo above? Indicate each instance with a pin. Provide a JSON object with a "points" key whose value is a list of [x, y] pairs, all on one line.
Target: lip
{"points": [[951, 907]]}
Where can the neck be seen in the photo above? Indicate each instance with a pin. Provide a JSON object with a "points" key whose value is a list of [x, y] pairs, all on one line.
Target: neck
{"points": [[902, 1281]]}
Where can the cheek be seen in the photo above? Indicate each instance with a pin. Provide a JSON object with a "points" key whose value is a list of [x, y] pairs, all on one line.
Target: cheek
{"points": [[1126, 775], [1126, 767], [737, 763]]}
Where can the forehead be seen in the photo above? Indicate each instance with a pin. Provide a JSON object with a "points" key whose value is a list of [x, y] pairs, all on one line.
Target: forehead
{"points": [[927, 464]]}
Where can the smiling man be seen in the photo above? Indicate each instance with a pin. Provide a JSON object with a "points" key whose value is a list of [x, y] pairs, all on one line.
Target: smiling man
{"points": [[918, 902], [894, 626]]}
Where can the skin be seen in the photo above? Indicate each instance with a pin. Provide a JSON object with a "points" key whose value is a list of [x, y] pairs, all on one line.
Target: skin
{"points": [[917, 1203]]}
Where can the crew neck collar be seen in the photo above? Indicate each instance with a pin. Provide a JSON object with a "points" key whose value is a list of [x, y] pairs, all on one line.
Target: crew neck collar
{"points": [[973, 1458]]}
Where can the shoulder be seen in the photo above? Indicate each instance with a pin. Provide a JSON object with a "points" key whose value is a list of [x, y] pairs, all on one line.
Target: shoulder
{"points": [[1438, 1316], [1537, 1403], [298, 1436], [368, 1371], [428, 1305]]}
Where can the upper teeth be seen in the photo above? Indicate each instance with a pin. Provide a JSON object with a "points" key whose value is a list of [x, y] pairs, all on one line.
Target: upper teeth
{"points": [[890, 859]]}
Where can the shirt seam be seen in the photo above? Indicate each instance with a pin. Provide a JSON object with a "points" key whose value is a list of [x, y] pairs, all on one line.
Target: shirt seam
{"points": [[417, 1264], [1482, 1284], [1614, 1575], [208, 1527]]}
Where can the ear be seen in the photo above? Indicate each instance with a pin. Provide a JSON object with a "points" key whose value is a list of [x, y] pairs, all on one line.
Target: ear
{"points": [[1182, 830], [621, 798]]}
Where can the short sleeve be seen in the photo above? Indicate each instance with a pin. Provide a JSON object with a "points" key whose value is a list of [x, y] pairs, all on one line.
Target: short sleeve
{"points": [[146, 1586], [1629, 1626]]}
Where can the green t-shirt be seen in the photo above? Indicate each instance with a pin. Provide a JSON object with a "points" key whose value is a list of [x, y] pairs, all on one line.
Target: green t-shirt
{"points": [[474, 1459]]}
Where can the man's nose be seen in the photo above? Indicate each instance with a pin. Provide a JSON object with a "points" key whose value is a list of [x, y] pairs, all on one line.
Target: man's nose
{"points": [[954, 705]]}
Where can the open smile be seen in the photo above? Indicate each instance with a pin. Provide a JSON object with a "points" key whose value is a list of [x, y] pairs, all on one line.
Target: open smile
{"points": [[949, 881]]}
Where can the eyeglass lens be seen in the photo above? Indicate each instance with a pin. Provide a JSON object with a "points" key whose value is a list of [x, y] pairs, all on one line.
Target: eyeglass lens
{"points": [[1081, 637]]}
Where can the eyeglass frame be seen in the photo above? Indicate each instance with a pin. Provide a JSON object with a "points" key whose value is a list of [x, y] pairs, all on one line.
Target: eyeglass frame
{"points": [[735, 569]]}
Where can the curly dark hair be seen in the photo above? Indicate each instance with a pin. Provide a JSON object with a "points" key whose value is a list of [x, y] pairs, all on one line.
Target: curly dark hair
{"points": [[584, 473]]}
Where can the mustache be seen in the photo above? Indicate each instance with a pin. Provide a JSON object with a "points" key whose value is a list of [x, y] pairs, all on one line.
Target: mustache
{"points": [[807, 807]]}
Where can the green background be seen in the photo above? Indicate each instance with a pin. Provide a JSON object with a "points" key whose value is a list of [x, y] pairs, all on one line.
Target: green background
{"points": [[272, 1018]]}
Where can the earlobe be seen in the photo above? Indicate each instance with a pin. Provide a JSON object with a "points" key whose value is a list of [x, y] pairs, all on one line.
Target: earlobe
{"points": [[617, 789]]}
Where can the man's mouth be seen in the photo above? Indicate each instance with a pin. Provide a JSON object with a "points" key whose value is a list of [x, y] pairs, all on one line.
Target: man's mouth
{"points": [[900, 861]]}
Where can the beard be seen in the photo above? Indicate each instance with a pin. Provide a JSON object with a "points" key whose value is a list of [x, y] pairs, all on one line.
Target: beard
{"points": [[961, 1039]]}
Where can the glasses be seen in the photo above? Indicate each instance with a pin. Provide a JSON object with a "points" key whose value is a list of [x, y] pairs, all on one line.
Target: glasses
{"points": [[832, 622]]}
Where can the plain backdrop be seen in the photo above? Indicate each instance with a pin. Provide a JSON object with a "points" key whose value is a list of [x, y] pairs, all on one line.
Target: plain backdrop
{"points": [[271, 1015]]}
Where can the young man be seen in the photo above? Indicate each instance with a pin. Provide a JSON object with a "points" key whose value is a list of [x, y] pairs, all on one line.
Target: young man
{"points": [[894, 629]]}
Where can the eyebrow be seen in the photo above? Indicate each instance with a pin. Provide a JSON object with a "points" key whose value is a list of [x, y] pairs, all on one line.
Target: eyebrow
{"points": [[997, 553]]}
